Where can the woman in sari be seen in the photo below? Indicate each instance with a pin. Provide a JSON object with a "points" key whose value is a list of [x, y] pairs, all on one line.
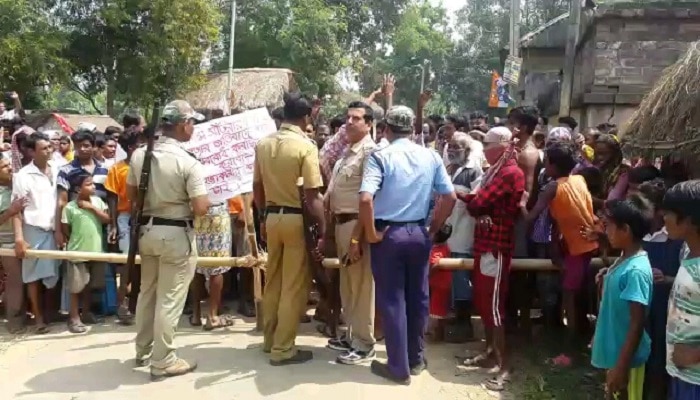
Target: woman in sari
{"points": [[608, 159]]}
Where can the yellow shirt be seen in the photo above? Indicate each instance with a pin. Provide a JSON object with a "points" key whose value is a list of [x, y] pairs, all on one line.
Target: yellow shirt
{"points": [[280, 159], [116, 183]]}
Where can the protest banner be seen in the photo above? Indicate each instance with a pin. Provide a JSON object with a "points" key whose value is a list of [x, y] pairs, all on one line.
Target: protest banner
{"points": [[226, 147]]}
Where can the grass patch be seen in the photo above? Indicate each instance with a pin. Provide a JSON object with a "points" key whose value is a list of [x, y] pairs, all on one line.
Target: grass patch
{"points": [[540, 380]]}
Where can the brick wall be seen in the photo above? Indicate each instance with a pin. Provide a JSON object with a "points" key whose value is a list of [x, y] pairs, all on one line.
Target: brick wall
{"points": [[633, 46]]}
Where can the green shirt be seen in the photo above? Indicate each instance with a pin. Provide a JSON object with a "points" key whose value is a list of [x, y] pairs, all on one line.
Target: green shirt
{"points": [[683, 324], [85, 227]]}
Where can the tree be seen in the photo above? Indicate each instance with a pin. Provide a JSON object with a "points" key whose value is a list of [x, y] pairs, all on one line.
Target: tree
{"points": [[30, 47], [302, 35], [144, 51], [422, 33]]}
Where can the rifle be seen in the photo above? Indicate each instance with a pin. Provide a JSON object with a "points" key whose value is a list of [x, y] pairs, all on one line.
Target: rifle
{"points": [[137, 206], [323, 283]]}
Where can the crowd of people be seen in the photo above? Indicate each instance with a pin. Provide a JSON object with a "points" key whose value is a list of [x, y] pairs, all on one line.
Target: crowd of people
{"points": [[390, 193]]}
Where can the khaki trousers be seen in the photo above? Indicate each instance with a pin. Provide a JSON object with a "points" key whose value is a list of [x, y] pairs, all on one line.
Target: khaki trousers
{"points": [[168, 262], [356, 291], [287, 283]]}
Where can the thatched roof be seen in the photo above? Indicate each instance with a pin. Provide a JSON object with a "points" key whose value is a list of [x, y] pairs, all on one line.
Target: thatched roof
{"points": [[46, 120], [668, 119], [252, 88]]}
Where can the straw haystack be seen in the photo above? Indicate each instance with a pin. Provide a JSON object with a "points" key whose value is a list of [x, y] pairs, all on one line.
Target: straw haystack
{"points": [[668, 119], [252, 88]]}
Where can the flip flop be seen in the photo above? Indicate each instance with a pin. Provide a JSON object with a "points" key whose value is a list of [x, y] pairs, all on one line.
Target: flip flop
{"points": [[224, 321], [77, 327], [474, 361], [41, 329], [496, 384]]}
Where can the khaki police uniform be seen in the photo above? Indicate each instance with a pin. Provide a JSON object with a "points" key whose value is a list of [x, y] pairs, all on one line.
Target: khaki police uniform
{"points": [[280, 159], [167, 246], [356, 281]]}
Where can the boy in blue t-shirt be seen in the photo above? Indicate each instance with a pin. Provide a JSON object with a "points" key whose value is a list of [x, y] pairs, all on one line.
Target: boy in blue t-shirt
{"points": [[681, 207], [620, 344]]}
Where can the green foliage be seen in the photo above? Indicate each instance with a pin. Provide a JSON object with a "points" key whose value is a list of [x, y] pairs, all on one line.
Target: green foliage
{"points": [[30, 46], [143, 51], [422, 34], [305, 36]]}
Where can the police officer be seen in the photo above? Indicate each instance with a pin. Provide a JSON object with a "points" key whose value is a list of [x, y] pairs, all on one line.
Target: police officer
{"points": [[176, 193], [280, 160], [356, 283], [399, 181]]}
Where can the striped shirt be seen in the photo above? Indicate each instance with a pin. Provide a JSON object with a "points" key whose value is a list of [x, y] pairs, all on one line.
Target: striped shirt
{"points": [[683, 324], [68, 174]]}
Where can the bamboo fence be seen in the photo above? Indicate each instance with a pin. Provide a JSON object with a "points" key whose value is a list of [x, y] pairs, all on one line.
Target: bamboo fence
{"points": [[518, 264]]}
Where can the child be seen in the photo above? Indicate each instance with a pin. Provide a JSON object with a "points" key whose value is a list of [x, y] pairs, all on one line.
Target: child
{"points": [[571, 207], [440, 284], [81, 221], [620, 344], [681, 207], [663, 256]]}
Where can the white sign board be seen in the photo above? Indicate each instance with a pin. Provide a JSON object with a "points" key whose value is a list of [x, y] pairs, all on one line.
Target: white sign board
{"points": [[226, 147], [511, 72]]}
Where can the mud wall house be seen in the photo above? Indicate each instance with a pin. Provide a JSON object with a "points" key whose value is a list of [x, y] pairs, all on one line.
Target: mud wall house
{"points": [[623, 48], [67, 122], [252, 88]]}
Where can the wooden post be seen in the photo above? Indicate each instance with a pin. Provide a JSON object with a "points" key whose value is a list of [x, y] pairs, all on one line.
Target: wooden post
{"points": [[567, 82], [257, 274]]}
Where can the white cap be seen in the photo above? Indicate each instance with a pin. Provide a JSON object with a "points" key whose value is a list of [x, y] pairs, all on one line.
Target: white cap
{"points": [[560, 133], [86, 126], [499, 134]]}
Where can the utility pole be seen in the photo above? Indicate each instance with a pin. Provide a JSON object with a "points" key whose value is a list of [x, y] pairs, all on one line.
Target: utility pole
{"points": [[422, 75], [514, 28], [572, 38], [229, 93]]}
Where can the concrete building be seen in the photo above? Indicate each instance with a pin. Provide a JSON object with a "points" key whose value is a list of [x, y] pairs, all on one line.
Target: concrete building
{"points": [[623, 48]]}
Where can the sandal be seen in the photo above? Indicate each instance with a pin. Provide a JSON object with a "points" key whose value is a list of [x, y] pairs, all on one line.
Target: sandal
{"points": [[195, 321], [475, 361], [497, 384], [41, 329], [76, 327], [325, 330], [223, 321], [89, 318]]}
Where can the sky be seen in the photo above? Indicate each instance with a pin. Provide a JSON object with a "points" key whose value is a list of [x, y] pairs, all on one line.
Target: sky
{"points": [[450, 5]]}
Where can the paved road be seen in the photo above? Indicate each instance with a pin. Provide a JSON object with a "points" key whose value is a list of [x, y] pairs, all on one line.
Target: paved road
{"points": [[98, 365]]}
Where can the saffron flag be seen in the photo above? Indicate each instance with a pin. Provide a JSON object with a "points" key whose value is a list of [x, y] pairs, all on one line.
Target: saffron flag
{"points": [[499, 97]]}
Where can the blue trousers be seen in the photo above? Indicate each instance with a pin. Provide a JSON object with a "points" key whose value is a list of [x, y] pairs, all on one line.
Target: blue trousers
{"points": [[400, 269], [681, 390]]}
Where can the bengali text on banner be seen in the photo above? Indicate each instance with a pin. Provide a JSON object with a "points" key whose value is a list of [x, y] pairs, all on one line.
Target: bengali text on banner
{"points": [[226, 147]]}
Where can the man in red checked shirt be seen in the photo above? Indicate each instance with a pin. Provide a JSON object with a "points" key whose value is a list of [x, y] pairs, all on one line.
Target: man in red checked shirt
{"points": [[496, 205]]}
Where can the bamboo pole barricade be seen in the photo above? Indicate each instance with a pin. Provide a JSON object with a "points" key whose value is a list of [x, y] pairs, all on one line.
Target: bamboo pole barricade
{"points": [[518, 264]]}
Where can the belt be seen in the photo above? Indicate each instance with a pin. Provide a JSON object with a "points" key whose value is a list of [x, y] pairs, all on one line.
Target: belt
{"points": [[380, 223], [282, 210], [345, 218], [166, 222]]}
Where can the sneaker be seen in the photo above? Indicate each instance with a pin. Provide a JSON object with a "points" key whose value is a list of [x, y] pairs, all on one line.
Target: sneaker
{"points": [[354, 357], [301, 357], [418, 369], [341, 344], [180, 367]]}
